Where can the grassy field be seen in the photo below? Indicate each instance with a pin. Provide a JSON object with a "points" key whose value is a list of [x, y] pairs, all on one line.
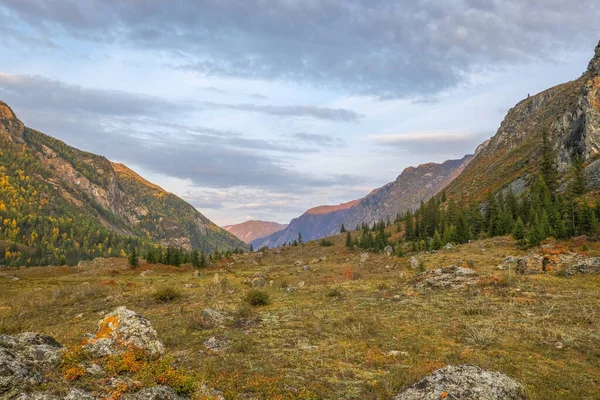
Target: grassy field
{"points": [[341, 329]]}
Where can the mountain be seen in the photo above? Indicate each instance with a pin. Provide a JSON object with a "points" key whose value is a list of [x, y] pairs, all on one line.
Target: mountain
{"points": [[252, 230], [569, 113], [415, 184], [60, 204]]}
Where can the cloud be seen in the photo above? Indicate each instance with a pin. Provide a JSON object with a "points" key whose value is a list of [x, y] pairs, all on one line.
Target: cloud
{"points": [[136, 130], [332, 114], [317, 139], [451, 144], [376, 47]]}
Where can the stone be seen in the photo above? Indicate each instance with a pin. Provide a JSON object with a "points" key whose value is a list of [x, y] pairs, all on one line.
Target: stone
{"points": [[258, 280], [158, 392], [78, 394], [298, 263], [414, 262], [14, 374], [449, 246], [388, 250], [33, 348], [306, 267], [190, 286], [450, 277], [364, 257], [23, 360], [216, 279], [216, 344], [121, 330], [214, 318], [464, 382], [147, 272], [197, 273]]}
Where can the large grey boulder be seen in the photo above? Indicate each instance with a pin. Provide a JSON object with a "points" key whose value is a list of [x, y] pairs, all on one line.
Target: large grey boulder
{"points": [[121, 330], [464, 382], [23, 359]]}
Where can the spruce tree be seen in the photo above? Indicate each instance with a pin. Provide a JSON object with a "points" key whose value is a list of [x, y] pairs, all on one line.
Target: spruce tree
{"points": [[348, 240], [343, 229], [133, 258]]}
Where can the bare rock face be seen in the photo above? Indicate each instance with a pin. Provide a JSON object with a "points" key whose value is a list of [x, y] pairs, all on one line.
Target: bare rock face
{"points": [[569, 263], [23, 359], [450, 277], [123, 329], [464, 382]]}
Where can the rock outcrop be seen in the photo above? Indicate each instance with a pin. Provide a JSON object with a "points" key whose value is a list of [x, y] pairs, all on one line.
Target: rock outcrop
{"points": [[564, 263], [450, 277], [23, 360], [464, 382], [122, 329]]}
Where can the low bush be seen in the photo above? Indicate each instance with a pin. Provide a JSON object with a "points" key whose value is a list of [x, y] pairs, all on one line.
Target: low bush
{"points": [[258, 298], [166, 295]]}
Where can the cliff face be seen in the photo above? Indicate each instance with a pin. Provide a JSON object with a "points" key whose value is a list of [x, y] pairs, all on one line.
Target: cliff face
{"points": [[110, 194], [414, 185], [571, 114]]}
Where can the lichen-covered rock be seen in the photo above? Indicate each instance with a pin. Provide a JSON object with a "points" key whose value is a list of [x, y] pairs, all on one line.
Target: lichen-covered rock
{"points": [[120, 330], [78, 394], [154, 393], [213, 318], [14, 374], [464, 382], [450, 277], [23, 359], [258, 280], [33, 348], [364, 257], [414, 262], [569, 263]]}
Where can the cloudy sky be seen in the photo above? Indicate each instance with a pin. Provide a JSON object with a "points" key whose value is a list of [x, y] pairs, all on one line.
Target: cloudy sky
{"points": [[264, 108]]}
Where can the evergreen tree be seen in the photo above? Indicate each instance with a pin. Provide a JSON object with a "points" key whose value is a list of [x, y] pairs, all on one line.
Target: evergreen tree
{"points": [[343, 229], [133, 258], [578, 185], [519, 230], [195, 258], [437, 241], [348, 240], [203, 262]]}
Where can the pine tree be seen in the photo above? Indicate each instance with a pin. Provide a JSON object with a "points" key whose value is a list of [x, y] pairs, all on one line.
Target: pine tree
{"points": [[195, 258], [519, 230], [202, 263], [437, 241], [578, 185], [343, 229], [133, 259], [348, 240]]}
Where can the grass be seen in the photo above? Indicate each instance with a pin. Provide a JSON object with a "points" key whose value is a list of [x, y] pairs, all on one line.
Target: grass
{"points": [[380, 336]]}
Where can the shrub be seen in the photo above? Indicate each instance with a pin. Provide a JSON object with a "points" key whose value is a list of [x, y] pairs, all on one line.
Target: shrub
{"points": [[334, 293], [166, 295], [258, 298], [325, 243]]}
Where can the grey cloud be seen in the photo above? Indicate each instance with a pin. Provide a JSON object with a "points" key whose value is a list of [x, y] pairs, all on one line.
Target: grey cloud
{"points": [[206, 156], [434, 144], [376, 47], [332, 114], [317, 139]]}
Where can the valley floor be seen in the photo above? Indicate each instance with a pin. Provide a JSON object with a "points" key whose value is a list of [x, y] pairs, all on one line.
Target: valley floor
{"points": [[340, 328]]}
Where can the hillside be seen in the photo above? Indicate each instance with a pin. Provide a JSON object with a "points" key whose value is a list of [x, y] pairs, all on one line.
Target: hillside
{"points": [[59, 204], [570, 113], [415, 184], [252, 230]]}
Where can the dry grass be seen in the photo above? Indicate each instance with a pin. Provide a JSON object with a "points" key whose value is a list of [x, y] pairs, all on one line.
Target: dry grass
{"points": [[370, 338]]}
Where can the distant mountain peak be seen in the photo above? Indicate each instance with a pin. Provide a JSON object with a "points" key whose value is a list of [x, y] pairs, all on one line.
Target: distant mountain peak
{"points": [[253, 229]]}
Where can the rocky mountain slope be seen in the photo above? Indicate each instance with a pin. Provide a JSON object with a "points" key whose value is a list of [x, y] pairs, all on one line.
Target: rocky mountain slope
{"points": [[569, 112], [252, 230], [58, 203], [414, 185]]}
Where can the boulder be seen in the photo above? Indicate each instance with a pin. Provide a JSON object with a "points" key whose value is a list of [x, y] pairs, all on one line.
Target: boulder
{"points": [[450, 277], [449, 246], [464, 382], [216, 344], [364, 257], [414, 262], [258, 280], [121, 330], [388, 250], [23, 360], [213, 318]]}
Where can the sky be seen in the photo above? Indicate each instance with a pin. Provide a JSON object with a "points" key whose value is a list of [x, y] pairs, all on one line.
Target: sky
{"points": [[261, 109]]}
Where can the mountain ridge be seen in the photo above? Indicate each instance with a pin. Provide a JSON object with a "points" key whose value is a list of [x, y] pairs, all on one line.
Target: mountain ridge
{"points": [[249, 231], [48, 185]]}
